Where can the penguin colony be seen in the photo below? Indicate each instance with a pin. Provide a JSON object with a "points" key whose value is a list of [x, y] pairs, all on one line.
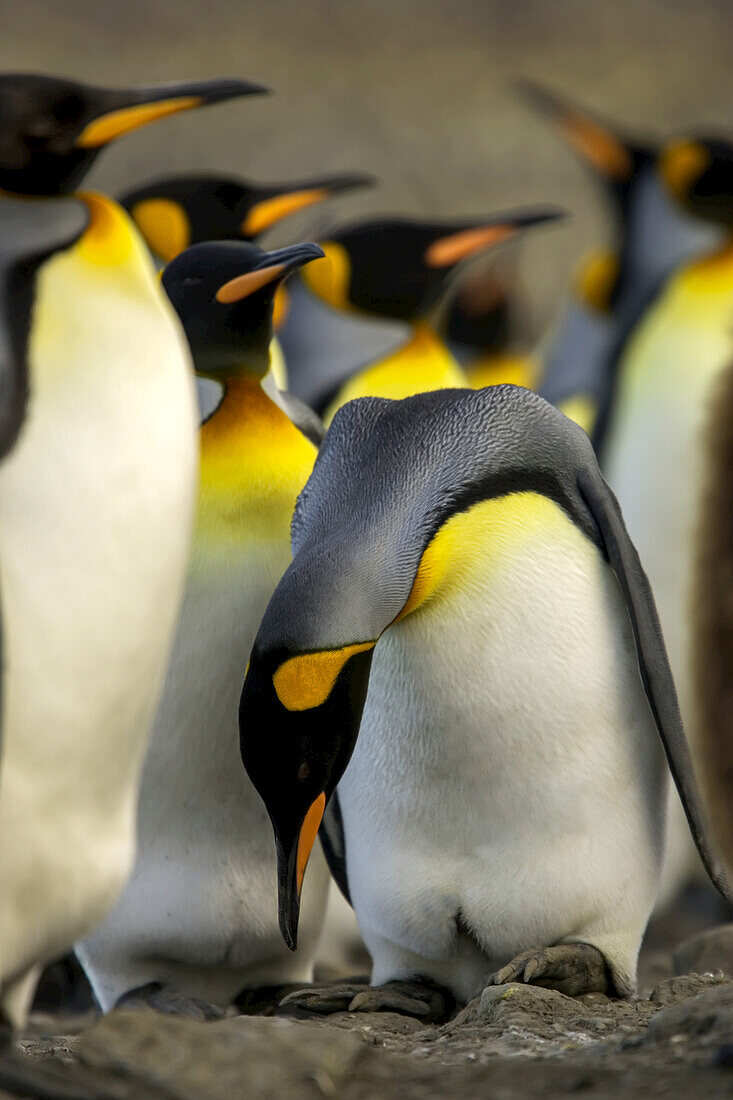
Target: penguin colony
{"points": [[419, 628]]}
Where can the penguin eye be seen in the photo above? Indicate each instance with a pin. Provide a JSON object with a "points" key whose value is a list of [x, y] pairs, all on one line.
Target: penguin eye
{"points": [[303, 771], [191, 280], [68, 109]]}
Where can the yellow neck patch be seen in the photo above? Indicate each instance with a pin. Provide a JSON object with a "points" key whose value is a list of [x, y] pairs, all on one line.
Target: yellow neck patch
{"points": [[164, 225], [475, 542], [423, 363], [108, 240], [306, 680], [254, 462], [329, 278], [581, 409]]}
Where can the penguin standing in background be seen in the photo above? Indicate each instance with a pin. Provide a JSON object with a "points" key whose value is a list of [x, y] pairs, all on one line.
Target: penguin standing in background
{"points": [[398, 268], [666, 380], [175, 212], [652, 235], [197, 923], [467, 645], [96, 501]]}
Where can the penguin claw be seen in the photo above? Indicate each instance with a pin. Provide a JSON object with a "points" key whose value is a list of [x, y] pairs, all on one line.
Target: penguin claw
{"points": [[422, 999], [322, 1000], [154, 995], [570, 968]]}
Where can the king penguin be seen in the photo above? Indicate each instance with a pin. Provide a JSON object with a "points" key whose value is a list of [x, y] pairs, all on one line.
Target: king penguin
{"points": [[651, 235], [96, 500], [467, 647], [174, 212], [197, 924], [665, 380], [399, 268]]}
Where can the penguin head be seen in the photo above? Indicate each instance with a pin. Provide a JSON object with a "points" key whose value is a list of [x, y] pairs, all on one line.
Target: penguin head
{"points": [[399, 267], [175, 212], [698, 173], [613, 158], [53, 128], [223, 292]]}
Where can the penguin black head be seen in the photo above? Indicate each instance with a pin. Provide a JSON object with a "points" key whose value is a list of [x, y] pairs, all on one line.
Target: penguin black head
{"points": [[698, 173], [174, 212], [53, 128], [613, 158], [223, 291], [399, 267]]}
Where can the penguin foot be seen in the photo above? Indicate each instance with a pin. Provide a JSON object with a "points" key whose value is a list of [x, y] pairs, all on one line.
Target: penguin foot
{"points": [[421, 998], [156, 996], [570, 968]]}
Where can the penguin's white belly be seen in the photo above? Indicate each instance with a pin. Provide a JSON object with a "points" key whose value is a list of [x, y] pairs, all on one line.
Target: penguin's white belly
{"points": [[507, 778], [95, 507], [200, 910]]}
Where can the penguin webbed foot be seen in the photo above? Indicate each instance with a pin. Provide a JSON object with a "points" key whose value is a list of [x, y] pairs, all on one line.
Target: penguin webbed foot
{"points": [[420, 998], [570, 968], [162, 999]]}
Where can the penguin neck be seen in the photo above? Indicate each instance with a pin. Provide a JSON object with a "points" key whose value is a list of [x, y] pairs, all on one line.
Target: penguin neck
{"points": [[254, 462]]}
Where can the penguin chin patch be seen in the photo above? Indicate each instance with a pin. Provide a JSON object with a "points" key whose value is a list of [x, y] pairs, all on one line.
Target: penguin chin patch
{"points": [[210, 396]]}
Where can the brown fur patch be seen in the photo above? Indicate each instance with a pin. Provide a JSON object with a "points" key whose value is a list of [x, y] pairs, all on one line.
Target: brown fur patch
{"points": [[713, 622]]}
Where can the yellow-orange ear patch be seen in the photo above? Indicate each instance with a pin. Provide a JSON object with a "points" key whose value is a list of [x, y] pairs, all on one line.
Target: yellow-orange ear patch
{"points": [[450, 250], [270, 211], [100, 131], [597, 278], [306, 680], [306, 840], [329, 278], [681, 164], [164, 225]]}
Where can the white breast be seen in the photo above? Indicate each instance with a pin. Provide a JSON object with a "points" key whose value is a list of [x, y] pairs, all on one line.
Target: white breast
{"points": [[96, 505], [507, 768], [200, 910]]}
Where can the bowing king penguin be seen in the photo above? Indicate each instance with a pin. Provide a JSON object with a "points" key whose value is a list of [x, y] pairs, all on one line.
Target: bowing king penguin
{"points": [[96, 496], [397, 269], [197, 922], [466, 648]]}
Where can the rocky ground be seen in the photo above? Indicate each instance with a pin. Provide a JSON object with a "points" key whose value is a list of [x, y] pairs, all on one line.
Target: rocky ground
{"points": [[514, 1041]]}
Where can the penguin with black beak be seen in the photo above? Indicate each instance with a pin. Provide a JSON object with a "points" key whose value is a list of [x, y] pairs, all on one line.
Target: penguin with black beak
{"points": [[398, 269], [465, 647], [97, 489], [651, 235]]}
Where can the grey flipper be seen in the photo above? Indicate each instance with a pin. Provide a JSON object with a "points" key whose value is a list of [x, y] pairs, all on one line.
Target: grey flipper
{"points": [[30, 231], [333, 843], [575, 355], [305, 419], [652, 656]]}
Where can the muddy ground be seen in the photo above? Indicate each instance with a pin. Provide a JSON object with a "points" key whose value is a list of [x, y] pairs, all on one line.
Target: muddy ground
{"points": [[675, 1040]]}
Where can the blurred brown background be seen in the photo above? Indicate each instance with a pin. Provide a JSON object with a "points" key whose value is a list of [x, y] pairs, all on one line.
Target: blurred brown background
{"points": [[416, 91]]}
